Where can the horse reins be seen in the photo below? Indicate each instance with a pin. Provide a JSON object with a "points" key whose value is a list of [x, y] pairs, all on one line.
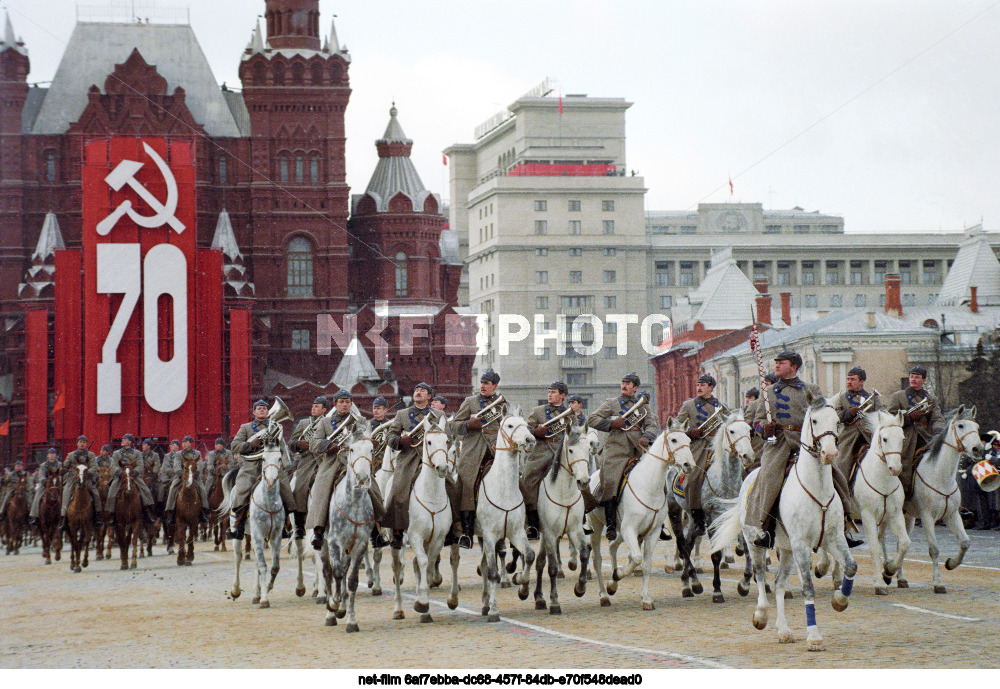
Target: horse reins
{"points": [[813, 449], [961, 450], [885, 496], [431, 465]]}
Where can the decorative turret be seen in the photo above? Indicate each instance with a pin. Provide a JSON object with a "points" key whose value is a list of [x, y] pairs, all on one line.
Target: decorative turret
{"points": [[233, 269], [293, 24], [41, 273]]}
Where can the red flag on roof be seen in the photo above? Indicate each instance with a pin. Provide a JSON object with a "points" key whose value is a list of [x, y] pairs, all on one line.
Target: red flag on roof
{"points": [[560, 105], [730, 186], [5, 428], [444, 159]]}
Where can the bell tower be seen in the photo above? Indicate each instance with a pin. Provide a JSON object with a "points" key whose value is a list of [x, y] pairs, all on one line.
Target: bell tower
{"points": [[293, 24]]}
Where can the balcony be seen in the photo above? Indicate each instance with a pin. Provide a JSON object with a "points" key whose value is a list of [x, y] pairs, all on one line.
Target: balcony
{"points": [[575, 362]]}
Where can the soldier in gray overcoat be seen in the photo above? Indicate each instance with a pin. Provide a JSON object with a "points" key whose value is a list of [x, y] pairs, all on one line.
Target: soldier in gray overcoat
{"points": [[80, 456], [576, 404], [855, 435], [693, 413], [479, 443], [187, 452], [538, 461], [620, 445], [10, 482], [129, 456], [168, 470], [212, 459], [919, 425], [306, 462], [51, 465]]}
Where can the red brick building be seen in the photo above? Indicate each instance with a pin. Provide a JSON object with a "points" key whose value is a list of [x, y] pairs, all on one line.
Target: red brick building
{"points": [[271, 196]]}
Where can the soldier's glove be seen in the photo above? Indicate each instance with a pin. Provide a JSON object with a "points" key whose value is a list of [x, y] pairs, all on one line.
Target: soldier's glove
{"points": [[302, 445], [770, 428], [644, 442], [474, 424], [852, 413], [618, 424], [257, 443], [405, 440], [333, 448], [694, 433], [539, 432], [917, 414]]}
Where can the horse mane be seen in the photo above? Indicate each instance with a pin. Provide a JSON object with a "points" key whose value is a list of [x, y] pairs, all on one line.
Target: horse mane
{"points": [[554, 463], [718, 439], [934, 447], [818, 403]]}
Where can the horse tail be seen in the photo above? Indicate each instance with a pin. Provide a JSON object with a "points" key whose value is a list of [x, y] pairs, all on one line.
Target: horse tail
{"points": [[228, 481], [726, 526]]}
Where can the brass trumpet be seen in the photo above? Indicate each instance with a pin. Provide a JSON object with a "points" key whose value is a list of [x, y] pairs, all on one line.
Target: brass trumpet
{"points": [[634, 416], [923, 405], [494, 411], [380, 438], [340, 433], [869, 403], [713, 422], [278, 413], [557, 424]]}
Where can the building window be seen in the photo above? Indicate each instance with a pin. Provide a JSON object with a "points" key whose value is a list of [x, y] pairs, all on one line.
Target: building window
{"points": [[314, 168], [929, 276], [832, 273], [784, 276], [541, 277], [881, 268], [904, 272], [909, 300], [609, 251], [300, 339], [259, 74], [50, 166], [576, 276], [576, 379], [541, 205], [223, 170], [881, 300], [811, 301], [836, 300], [574, 205], [316, 73], [541, 227], [761, 270], [299, 258], [575, 227], [860, 300], [576, 251], [829, 229], [610, 302], [661, 274], [542, 353], [800, 229], [689, 229], [282, 168], [279, 73], [666, 301], [608, 226], [541, 252], [772, 229], [610, 352], [608, 205], [402, 277], [857, 273], [610, 276], [300, 169], [298, 73], [574, 302], [931, 298], [541, 303]]}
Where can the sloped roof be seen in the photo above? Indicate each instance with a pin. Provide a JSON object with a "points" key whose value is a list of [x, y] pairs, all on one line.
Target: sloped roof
{"points": [[355, 367], [224, 237], [49, 239], [724, 298], [395, 172], [975, 265], [32, 105], [96, 47]]}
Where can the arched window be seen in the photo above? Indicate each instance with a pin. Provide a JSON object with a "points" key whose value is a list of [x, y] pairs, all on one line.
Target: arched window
{"points": [[300, 267], [223, 170], [316, 71], [51, 171], [300, 168], [282, 168], [401, 277], [279, 73], [259, 73], [314, 168], [298, 73]]}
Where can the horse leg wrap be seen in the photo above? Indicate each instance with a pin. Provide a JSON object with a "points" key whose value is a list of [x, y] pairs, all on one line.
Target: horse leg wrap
{"points": [[847, 586], [810, 614]]}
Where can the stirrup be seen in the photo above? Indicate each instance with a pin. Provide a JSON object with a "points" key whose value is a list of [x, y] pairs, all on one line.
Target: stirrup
{"points": [[764, 540], [397, 540], [465, 541]]}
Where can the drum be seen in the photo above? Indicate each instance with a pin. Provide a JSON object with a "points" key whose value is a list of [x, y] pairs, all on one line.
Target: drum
{"points": [[987, 475]]}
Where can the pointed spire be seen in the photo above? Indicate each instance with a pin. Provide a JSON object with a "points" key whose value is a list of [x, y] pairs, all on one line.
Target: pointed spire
{"points": [[334, 41], [326, 45], [256, 41], [49, 239], [394, 131], [224, 237], [10, 40]]}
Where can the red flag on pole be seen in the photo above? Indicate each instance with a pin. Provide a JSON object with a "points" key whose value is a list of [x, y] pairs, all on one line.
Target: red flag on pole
{"points": [[60, 401], [5, 428], [444, 159], [730, 186], [560, 105]]}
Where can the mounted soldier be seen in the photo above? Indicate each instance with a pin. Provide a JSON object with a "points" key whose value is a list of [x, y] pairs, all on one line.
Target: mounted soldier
{"points": [[851, 408], [10, 483], [51, 465], [151, 459], [788, 399], [187, 453], [168, 471], [213, 458], [403, 435], [630, 430], [478, 445], [306, 461], [921, 422], [548, 423], [250, 470], [80, 456], [576, 404], [128, 456], [331, 446], [703, 415]]}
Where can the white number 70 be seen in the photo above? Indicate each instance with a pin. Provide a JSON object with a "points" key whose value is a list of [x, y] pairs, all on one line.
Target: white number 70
{"points": [[121, 270]]}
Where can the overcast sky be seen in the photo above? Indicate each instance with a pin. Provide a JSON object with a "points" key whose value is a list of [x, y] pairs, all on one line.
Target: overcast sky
{"points": [[884, 112]]}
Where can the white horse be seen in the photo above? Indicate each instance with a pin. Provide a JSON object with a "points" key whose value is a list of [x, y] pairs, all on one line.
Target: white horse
{"points": [[810, 517], [266, 517], [351, 520], [641, 510], [500, 511], [430, 522], [879, 497], [560, 511], [732, 452], [386, 466], [935, 489]]}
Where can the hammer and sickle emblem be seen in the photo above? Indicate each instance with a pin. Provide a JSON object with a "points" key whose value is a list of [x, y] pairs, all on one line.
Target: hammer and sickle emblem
{"points": [[164, 212]]}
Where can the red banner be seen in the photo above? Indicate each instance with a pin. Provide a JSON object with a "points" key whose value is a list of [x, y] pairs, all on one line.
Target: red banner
{"points": [[36, 377]]}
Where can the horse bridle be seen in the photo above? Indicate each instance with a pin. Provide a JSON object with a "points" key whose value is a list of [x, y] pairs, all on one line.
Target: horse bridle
{"points": [[885, 496], [670, 453], [961, 446], [813, 448], [509, 439], [435, 451], [961, 451]]}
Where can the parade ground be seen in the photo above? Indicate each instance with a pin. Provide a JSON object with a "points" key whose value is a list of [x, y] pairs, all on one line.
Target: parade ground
{"points": [[164, 616]]}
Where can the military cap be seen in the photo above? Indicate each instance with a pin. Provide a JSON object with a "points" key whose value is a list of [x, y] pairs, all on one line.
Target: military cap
{"points": [[560, 386], [82, 437], [19, 462], [324, 400], [188, 439], [261, 403], [753, 392], [128, 436], [342, 395], [380, 402], [425, 386], [707, 378], [632, 378], [220, 441], [148, 441], [442, 399], [53, 451], [791, 357], [176, 442], [575, 398], [490, 376], [919, 370], [859, 372], [106, 448]]}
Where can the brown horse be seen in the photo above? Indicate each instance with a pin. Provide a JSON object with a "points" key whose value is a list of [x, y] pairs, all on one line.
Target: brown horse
{"points": [[79, 520], [17, 515], [188, 512], [128, 518], [218, 524], [107, 531], [149, 531], [48, 518]]}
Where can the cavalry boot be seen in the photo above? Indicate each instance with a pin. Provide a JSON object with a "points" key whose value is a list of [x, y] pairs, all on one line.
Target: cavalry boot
{"points": [[450, 538], [378, 540], [149, 515], [397, 539], [765, 539], [300, 525], [533, 524], [610, 520], [849, 530], [237, 520], [204, 515], [468, 530], [63, 526], [32, 521], [168, 517], [317, 539], [286, 532], [698, 519]]}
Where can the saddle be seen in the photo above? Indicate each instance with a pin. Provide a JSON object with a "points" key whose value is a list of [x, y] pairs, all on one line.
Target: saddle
{"points": [[858, 456], [484, 469], [629, 466]]}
